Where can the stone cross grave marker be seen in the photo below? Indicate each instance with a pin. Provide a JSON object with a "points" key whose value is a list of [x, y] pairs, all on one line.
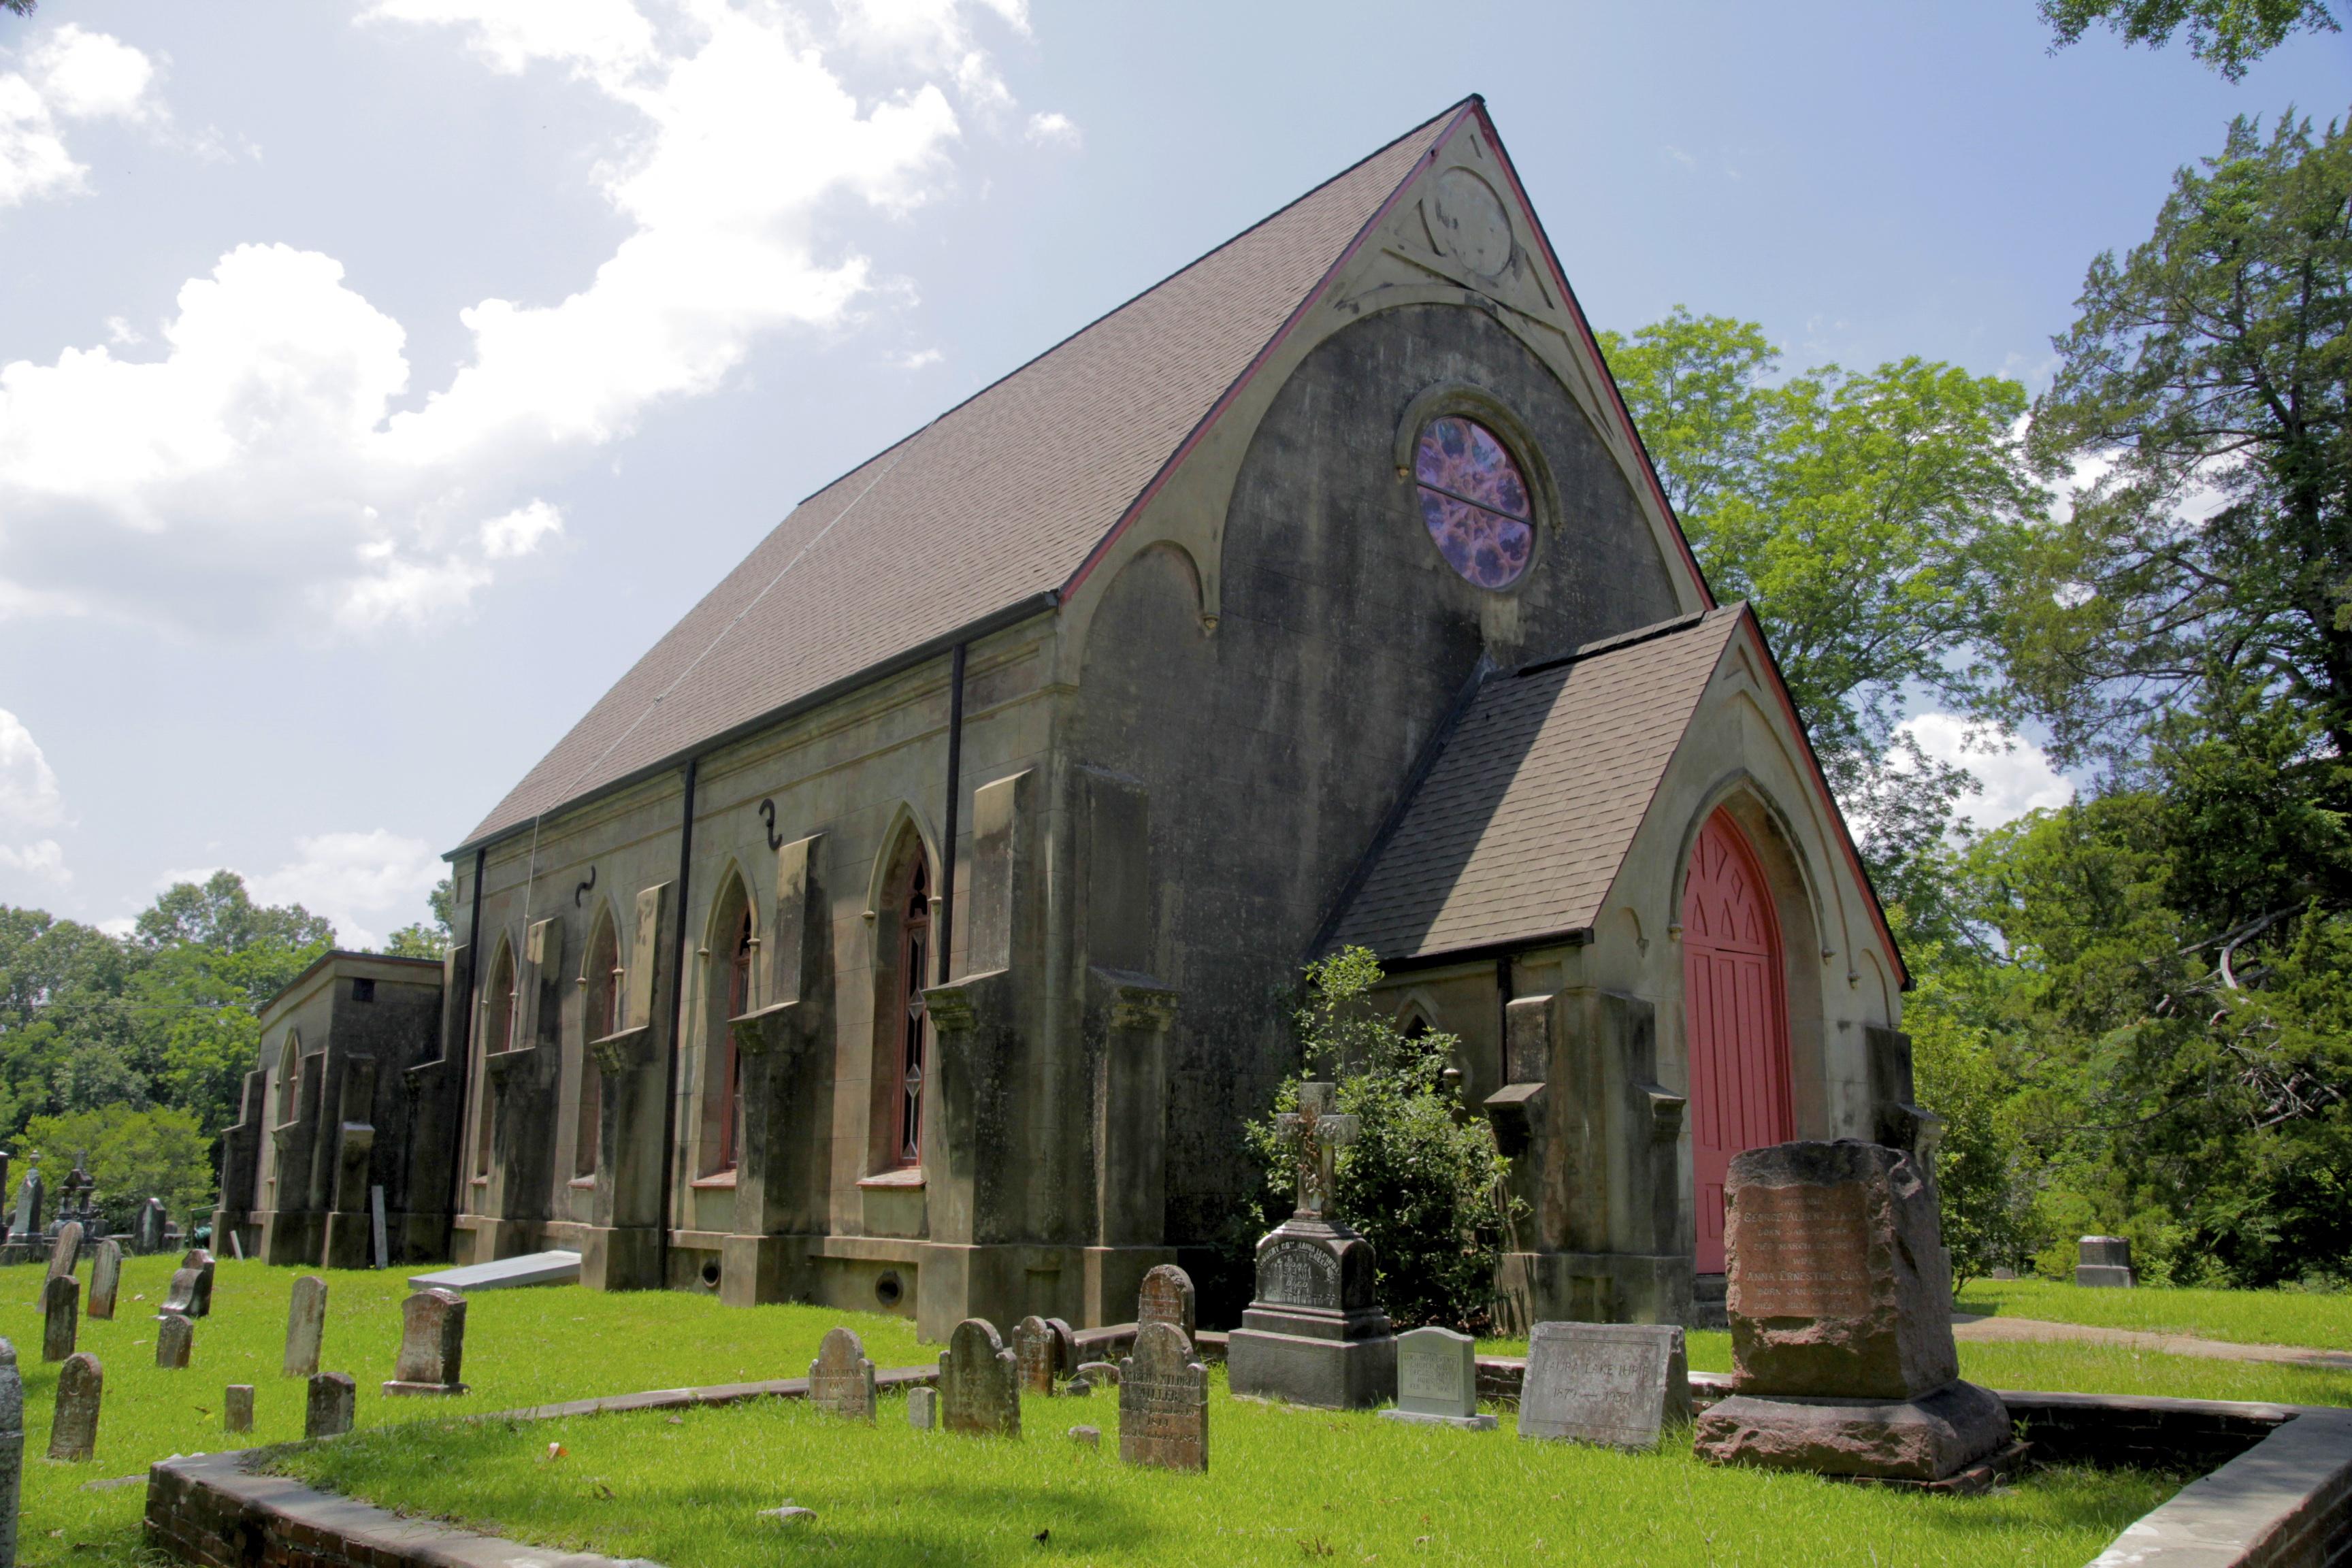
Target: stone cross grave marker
{"points": [[1317, 1132], [175, 1339], [60, 1317], [200, 1261], [1166, 1298], [2104, 1261], [181, 1297], [1163, 1402], [147, 1230], [12, 1449], [64, 1253], [237, 1408], [923, 1408], [979, 1384], [1037, 1354], [1617, 1385], [334, 1396], [105, 1278], [1437, 1381], [306, 1326], [73, 1431], [432, 1344], [841, 1380]]}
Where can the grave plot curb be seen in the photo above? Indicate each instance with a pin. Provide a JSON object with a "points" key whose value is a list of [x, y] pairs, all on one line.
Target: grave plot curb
{"points": [[213, 1509]]}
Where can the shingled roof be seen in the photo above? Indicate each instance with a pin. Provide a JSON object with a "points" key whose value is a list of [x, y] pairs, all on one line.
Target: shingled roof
{"points": [[991, 509], [1518, 831]]}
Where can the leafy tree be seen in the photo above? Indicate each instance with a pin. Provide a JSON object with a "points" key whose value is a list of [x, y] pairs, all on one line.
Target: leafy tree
{"points": [[131, 1154], [1421, 1182], [2227, 35], [421, 940]]}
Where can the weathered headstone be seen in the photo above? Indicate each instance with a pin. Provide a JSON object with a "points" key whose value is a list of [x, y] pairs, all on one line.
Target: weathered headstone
{"points": [[200, 1261], [1840, 1304], [1167, 1297], [923, 1408], [26, 1224], [1037, 1354], [182, 1295], [306, 1326], [12, 1451], [105, 1278], [73, 1430], [175, 1340], [1438, 1380], [979, 1384], [334, 1396], [2105, 1261], [1089, 1435], [1163, 1402], [61, 1318], [432, 1344], [1314, 1334], [841, 1379], [64, 1253], [147, 1230], [1618, 1385], [237, 1408], [1103, 1373]]}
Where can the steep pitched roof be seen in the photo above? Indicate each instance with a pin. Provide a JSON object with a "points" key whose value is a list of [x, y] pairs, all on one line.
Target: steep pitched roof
{"points": [[991, 506], [1520, 827]]}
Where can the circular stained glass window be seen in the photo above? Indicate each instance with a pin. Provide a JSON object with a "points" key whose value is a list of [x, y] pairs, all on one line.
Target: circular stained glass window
{"points": [[1475, 502]]}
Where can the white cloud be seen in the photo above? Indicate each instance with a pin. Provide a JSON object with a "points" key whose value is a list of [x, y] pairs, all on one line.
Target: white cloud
{"points": [[29, 795], [70, 74], [2012, 774], [917, 359], [1052, 131], [364, 882], [44, 860], [120, 926], [256, 457]]}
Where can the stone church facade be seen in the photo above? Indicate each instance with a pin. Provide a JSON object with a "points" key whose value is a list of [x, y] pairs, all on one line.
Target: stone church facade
{"points": [[915, 925]]}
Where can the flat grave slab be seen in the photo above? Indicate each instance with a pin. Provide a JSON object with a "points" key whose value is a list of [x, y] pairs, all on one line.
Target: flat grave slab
{"points": [[506, 1273]]}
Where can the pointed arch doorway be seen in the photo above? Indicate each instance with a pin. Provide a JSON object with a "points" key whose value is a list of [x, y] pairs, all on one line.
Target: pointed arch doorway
{"points": [[1736, 1017]]}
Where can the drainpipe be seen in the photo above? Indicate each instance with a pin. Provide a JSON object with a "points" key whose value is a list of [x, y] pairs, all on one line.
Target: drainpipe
{"points": [[462, 1166], [677, 1016], [955, 798]]}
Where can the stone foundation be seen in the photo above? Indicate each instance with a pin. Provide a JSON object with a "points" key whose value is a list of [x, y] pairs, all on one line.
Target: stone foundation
{"points": [[1928, 1438]]}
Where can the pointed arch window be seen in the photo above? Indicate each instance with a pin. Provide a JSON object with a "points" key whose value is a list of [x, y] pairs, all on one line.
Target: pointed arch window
{"points": [[913, 1023], [729, 1062], [498, 1034], [603, 1017], [290, 1079]]}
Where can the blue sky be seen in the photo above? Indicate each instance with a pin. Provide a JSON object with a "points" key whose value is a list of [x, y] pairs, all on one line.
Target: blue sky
{"points": [[378, 380]]}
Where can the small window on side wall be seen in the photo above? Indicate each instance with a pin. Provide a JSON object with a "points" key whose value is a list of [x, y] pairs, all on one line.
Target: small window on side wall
{"points": [[1475, 502]]}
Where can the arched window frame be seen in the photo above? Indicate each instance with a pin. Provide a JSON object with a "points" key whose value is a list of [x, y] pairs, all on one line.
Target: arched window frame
{"points": [[601, 1005], [1462, 400]]}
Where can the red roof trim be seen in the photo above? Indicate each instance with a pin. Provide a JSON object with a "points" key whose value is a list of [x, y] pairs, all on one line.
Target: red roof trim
{"points": [[1584, 329], [1460, 112]]}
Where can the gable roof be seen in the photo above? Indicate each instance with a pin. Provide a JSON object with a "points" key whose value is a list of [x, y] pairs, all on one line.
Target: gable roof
{"points": [[984, 515], [1518, 831]]}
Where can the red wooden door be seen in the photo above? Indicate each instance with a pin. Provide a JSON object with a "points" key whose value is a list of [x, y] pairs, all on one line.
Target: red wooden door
{"points": [[1738, 1023]]}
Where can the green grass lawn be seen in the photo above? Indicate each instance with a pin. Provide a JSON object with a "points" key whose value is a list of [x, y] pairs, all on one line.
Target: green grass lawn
{"points": [[2246, 1316], [1284, 1485]]}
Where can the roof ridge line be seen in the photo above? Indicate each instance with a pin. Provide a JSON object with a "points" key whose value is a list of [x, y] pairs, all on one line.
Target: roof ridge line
{"points": [[1650, 633]]}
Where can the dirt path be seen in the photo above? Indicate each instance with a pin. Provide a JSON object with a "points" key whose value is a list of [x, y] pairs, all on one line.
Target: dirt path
{"points": [[1980, 1330]]}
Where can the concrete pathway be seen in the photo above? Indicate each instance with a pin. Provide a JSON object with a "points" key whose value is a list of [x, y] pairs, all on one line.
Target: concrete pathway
{"points": [[1978, 1328]]}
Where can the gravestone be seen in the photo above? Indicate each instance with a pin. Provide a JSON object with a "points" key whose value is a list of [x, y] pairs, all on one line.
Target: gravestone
{"points": [[1437, 1381], [432, 1344], [306, 1326], [979, 1384], [237, 1408], [1167, 1298], [1037, 1354], [1313, 1334], [12, 1451], [1840, 1303], [841, 1380], [61, 1318], [923, 1408], [147, 1229], [175, 1340], [1617, 1385], [64, 1253], [73, 1430], [2105, 1261], [1103, 1373], [26, 1224], [328, 1412], [200, 1261], [182, 1295], [1163, 1402], [105, 1278]]}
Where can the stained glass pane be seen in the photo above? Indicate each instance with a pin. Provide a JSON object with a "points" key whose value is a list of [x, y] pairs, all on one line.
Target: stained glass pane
{"points": [[1474, 501]]}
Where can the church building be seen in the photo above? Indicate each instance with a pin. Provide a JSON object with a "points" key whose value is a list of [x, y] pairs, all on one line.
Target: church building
{"points": [[914, 927]]}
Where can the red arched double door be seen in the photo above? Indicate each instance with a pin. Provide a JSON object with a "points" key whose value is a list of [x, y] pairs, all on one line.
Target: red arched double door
{"points": [[1737, 1018]]}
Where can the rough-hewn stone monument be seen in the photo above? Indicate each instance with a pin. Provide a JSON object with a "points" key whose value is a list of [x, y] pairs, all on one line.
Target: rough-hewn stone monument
{"points": [[11, 1450], [1038, 1353], [181, 1297], [1438, 1380], [979, 1384], [306, 1326], [176, 1341], [333, 1398], [1163, 1402], [105, 1278], [1167, 1297], [237, 1408], [2104, 1261], [432, 1344], [200, 1261], [1840, 1304], [841, 1379], [1313, 1334], [73, 1430], [60, 1317], [1618, 1385]]}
